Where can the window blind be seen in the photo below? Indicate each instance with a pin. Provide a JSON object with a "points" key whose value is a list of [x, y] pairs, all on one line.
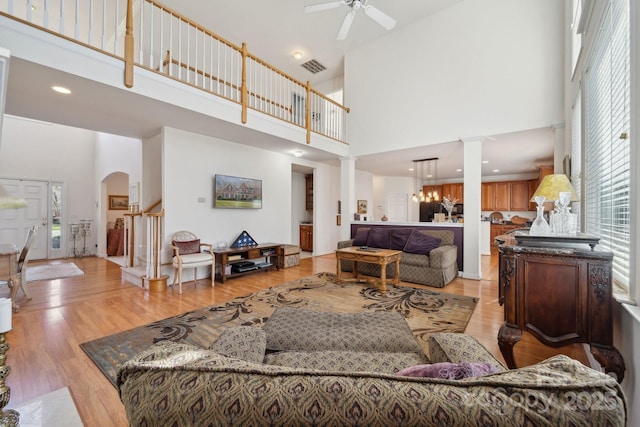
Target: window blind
{"points": [[607, 150]]}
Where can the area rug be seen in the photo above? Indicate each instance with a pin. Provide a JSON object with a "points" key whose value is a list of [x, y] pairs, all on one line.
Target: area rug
{"points": [[52, 271], [427, 312]]}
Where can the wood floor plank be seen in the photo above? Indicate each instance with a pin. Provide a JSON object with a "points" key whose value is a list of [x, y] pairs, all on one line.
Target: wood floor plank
{"points": [[45, 352]]}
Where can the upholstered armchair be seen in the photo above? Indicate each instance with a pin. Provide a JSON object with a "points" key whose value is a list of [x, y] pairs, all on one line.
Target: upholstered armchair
{"points": [[190, 252]]}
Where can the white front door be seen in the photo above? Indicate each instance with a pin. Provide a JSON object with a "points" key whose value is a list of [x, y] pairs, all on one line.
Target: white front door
{"points": [[14, 223], [397, 204]]}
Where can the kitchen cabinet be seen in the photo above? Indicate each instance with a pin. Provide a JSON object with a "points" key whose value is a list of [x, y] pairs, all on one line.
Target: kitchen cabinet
{"points": [[309, 192], [488, 195], [519, 195], [502, 196], [306, 237], [495, 196], [453, 191]]}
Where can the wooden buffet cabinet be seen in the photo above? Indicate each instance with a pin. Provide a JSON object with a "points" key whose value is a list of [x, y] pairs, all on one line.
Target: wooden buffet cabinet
{"points": [[560, 296]]}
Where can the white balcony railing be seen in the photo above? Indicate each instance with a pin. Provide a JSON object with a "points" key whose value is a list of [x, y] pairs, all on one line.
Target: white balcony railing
{"points": [[146, 34]]}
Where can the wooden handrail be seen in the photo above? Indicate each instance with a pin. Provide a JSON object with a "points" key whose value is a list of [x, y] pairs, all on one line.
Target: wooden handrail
{"points": [[246, 96], [150, 208]]}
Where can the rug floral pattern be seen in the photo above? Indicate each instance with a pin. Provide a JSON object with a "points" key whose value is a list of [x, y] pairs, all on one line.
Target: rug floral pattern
{"points": [[426, 311]]}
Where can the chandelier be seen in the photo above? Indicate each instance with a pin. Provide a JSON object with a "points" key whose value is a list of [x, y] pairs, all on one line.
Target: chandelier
{"points": [[431, 193]]}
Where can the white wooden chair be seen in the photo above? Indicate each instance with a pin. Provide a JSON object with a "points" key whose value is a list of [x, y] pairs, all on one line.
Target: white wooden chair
{"points": [[188, 253]]}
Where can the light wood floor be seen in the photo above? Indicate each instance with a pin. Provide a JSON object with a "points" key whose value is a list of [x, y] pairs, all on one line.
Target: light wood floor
{"points": [[45, 354]]}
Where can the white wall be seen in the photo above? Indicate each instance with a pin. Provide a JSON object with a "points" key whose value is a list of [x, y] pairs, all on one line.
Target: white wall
{"points": [[113, 154], [190, 162], [49, 152], [475, 68]]}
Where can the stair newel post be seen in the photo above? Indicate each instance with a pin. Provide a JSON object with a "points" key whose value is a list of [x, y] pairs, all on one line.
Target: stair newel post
{"points": [[157, 281]]}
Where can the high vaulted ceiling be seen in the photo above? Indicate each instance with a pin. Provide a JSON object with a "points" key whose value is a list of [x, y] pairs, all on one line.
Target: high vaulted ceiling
{"points": [[273, 31]]}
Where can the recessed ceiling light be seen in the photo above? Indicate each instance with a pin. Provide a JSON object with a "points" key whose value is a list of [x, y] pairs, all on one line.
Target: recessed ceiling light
{"points": [[484, 162], [410, 169], [458, 170], [496, 170], [61, 89], [298, 153], [297, 55]]}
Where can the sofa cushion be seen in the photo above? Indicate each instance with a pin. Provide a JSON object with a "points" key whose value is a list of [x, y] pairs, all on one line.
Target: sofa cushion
{"points": [[188, 246], [242, 342], [379, 238], [398, 238], [361, 237], [345, 361], [449, 371], [420, 243], [291, 329], [452, 347]]}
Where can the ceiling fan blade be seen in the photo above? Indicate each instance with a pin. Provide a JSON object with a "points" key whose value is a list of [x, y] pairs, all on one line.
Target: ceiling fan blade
{"points": [[380, 17], [323, 6], [346, 24]]}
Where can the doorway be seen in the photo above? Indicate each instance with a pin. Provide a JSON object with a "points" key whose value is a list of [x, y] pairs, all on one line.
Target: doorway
{"points": [[14, 223]]}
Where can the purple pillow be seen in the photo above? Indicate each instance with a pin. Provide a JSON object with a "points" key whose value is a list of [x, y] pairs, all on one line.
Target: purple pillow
{"points": [[449, 371], [420, 243], [379, 238], [188, 247], [361, 237], [398, 238]]}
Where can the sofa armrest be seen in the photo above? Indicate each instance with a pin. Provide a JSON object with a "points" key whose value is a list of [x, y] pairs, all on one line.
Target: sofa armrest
{"points": [[455, 348], [443, 256], [345, 244]]}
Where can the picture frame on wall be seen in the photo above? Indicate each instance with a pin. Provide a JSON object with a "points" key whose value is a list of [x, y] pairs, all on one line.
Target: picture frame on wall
{"points": [[118, 203], [362, 206], [134, 193], [232, 192]]}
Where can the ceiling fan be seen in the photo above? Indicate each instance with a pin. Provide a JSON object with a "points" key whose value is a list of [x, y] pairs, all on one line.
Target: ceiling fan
{"points": [[380, 17]]}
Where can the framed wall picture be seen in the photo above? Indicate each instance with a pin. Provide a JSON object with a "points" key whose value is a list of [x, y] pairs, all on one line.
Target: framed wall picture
{"points": [[134, 193], [362, 206], [118, 203], [233, 192]]}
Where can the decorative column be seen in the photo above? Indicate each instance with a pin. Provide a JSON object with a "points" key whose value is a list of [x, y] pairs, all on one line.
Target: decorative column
{"points": [[472, 206], [347, 194]]}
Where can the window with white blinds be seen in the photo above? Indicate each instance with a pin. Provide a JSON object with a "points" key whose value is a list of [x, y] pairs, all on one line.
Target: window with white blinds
{"points": [[607, 151], [576, 155]]}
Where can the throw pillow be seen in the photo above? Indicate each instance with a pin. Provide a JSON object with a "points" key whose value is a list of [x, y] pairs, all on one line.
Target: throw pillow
{"points": [[398, 238], [361, 237], [379, 238], [188, 247], [242, 342], [420, 243], [449, 371]]}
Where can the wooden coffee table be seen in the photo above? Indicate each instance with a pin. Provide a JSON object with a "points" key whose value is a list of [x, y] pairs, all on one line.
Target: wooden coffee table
{"points": [[382, 257]]}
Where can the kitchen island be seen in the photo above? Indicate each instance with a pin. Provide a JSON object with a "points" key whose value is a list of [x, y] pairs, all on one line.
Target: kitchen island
{"points": [[456, 228]]}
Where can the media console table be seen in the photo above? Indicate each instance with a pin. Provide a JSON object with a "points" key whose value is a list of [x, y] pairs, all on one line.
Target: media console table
{"points": [[226, 257], [560, 296]]}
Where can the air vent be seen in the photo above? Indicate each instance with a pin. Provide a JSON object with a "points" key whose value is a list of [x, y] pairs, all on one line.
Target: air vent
{"points": [[314, 66]]}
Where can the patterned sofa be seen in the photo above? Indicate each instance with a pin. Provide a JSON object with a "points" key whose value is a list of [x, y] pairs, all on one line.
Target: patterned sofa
{"points": [[429, 256], [240, 381]]}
